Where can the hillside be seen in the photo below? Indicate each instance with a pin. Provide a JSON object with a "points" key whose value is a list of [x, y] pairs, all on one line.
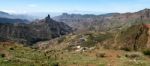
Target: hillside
{"points": [[101, 48], [14, 54], [112, 39], [134, 38], [41, 30]]}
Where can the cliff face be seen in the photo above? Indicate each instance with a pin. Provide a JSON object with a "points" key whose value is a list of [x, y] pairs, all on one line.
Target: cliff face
{"points": [[133, 38], [36, 31], [148, 42]]}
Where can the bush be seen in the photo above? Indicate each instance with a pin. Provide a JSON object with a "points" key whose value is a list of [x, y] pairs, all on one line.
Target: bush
{"points": [[126, 49], [93, 39], [146, 52], [2, 55], [102, 37], [101, 65], [132, 55], [100, 55], [55, 64], [11, 48], [60, 40], [89, 43]]}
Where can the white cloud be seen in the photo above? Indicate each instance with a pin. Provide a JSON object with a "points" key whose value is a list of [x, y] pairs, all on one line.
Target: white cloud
{"points": [[9, 11], [15, 11]]}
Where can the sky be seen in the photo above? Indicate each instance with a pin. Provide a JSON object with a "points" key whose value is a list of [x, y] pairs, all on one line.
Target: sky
{"points": [[72, 6]]}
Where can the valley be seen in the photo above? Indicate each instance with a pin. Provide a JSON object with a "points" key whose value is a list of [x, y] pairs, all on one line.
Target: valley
{"points": [[113, 39]]}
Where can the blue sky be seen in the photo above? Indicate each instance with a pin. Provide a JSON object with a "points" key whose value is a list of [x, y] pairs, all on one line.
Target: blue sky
{"points": [[73, 6]]}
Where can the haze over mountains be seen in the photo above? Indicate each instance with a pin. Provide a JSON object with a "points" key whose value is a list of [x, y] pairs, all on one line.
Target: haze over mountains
{"points": [[15, 16], [31, 32]]}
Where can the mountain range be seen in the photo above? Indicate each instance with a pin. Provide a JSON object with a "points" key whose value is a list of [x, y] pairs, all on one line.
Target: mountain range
{"points": [[104, 22], [15, 16], [113, 39], [45, 29], [29, 33]]}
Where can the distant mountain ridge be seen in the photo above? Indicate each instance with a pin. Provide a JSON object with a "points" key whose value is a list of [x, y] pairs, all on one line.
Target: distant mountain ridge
{"points": [[4, 14], [40, 30], [7, 20], [104, 22], [15, 16]]}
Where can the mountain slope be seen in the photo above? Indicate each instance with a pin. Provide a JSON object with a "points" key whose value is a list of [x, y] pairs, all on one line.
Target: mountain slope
{"points": [[41, 30], [14, 54], [133, 38], [4, 14], [104, 22], [7, 20]]}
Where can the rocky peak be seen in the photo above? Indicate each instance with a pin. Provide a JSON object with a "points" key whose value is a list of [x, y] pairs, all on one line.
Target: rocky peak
{"points": [[48, 19], [146, 9], [145, 13], [39, 30]]}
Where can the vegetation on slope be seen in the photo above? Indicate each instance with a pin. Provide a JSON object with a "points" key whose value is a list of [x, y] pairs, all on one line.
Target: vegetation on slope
{"points": [[93, 39], [13, 54]]}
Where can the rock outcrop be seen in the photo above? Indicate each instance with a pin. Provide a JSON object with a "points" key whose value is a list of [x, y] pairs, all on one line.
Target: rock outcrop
{"points": [[133, 38]]}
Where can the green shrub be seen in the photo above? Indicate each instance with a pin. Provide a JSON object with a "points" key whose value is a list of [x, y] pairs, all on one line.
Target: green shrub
{"points": [[146, 52], [2, 55], [11, 48], [102, 37], [101, 65], [89, 43], [61, 39], [126, 49], [55, 64], [93, 39]]}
